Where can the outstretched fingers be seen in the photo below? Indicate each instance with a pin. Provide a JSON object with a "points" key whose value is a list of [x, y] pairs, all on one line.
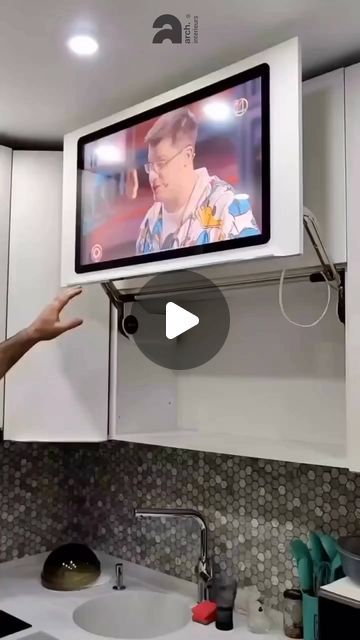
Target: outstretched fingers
{"points": [[64, 297], [67, 325]]}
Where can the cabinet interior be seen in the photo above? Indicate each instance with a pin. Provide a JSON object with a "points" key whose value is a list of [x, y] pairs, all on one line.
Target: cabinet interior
{"points": [[273, 391]]}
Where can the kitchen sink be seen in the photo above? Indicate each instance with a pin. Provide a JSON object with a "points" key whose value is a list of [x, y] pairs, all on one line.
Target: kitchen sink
{"points": [[134, 614]]}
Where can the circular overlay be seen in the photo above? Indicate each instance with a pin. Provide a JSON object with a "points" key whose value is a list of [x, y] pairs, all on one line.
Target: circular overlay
{"points": [[96, 252], [196, 301]]}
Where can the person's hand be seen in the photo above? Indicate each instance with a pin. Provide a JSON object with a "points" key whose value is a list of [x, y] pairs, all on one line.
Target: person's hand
{"points": [[48, 325]]}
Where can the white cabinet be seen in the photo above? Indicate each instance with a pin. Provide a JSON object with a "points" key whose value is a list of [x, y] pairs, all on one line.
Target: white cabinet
{"points": [[274, 390], [324, 160], [59, 391], [5, 185], [353, 274]]}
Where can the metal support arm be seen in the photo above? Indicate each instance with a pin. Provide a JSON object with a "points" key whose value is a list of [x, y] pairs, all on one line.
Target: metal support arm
{"points": [[335, 276]]}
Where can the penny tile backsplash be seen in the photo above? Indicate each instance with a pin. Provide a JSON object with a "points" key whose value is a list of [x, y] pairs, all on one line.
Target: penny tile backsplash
{"points": [[53, 494], [34, 499]]}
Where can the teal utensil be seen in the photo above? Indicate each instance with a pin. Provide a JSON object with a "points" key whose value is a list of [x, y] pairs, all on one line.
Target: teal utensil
{"points": [[321, 562], [304, 563], [318, 552], [322, 576], [330, 545], [336, 570]]}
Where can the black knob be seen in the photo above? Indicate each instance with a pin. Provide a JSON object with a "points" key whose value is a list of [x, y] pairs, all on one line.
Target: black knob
{"points": [[131, 325]]}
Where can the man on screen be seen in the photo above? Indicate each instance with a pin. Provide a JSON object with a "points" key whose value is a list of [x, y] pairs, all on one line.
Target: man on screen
{"points": [[190, 207]]}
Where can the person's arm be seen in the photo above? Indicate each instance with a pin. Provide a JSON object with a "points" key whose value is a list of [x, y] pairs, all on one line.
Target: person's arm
{"points": [[47, 326]]}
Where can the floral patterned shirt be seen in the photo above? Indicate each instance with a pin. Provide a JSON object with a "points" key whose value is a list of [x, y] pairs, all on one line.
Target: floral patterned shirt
{"points": [[214, 212]]}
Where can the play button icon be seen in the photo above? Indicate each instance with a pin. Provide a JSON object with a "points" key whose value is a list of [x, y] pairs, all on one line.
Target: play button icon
{"points": [[181, 320], [178, 320]]}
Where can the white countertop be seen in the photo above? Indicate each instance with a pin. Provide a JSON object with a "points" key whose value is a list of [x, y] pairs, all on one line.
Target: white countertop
{"points": [[344, 590], [23, 596]]}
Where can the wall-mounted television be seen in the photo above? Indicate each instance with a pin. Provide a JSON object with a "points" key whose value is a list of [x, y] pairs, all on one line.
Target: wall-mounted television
{"points": [[207, 173]]}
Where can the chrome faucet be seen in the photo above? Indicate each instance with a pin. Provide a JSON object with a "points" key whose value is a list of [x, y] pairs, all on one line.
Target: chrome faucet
{"points": [[204, 570]]}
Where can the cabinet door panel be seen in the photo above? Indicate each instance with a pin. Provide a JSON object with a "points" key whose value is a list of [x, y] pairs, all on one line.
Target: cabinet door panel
{"points": [[5, 183], [353, 273], [324, 159], [59, 391]]}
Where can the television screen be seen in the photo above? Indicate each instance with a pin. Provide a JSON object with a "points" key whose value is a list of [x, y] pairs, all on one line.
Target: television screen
{"points": [[188, 177]]}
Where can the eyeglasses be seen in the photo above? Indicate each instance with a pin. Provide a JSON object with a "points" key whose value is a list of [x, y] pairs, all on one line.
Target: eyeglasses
{"points": [[161, 164]]}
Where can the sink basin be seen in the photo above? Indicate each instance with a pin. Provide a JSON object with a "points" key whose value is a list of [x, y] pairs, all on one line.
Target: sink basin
{"points": [[134, 614]]}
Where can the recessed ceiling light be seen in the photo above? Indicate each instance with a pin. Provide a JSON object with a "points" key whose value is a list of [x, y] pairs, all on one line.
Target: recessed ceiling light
{"points": [[83, 45]]}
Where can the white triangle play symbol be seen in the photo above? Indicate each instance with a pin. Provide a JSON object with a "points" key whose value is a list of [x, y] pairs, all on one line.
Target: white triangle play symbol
{"points": [[178, 320]]}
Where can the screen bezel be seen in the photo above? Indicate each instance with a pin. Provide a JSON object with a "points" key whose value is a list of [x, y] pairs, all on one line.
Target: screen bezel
{"points": [[261, 71]]}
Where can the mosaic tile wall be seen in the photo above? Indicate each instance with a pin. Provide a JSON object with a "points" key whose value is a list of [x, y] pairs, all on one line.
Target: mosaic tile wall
{"points": [[53, 494], [35, 499]]}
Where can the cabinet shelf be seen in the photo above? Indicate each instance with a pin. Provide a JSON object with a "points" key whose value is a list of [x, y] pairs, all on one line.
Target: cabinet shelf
{"points": [[319, 453]]}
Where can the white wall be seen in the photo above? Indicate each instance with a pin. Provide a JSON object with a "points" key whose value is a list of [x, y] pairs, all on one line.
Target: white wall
{"points": [[146, 393], [272, 380]]}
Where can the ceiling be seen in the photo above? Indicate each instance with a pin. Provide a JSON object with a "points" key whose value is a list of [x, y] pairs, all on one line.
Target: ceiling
{"points": [[46, 91]]}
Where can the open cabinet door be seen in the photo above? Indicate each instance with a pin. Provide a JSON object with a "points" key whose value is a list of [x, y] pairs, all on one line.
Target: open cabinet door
{"points": [[352, 96], [59, 390], [5, 186]]}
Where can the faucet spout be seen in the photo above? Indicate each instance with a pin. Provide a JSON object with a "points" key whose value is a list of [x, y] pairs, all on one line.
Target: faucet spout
{"points": [[204, 568]]}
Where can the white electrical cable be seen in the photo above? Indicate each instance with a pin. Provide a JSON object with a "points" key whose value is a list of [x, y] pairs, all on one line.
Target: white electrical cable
{"points": [[298, 324]]}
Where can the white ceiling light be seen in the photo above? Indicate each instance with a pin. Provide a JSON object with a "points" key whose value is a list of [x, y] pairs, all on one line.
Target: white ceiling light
{"points": [[83, 45], [217, 110]]}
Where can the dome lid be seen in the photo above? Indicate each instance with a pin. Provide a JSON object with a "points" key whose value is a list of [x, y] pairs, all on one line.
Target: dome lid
{"points": [[70, 567]]}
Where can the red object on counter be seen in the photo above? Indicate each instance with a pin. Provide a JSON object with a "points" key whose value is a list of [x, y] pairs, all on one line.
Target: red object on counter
{"points": [[205, 612]]}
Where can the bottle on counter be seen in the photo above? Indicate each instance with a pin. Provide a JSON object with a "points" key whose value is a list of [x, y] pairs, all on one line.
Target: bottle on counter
{"points": [[257, 617], [293, 616]]}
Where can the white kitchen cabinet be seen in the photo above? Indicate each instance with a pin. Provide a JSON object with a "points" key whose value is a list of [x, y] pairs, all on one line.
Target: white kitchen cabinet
{"points": [[353, 273], [59, 391], [274, 390], [324, 161], [5, 186]]}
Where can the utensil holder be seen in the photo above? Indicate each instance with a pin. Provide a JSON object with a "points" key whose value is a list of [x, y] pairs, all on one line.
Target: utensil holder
{"points": [[310, 617]]}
